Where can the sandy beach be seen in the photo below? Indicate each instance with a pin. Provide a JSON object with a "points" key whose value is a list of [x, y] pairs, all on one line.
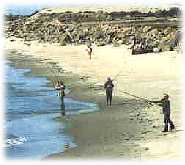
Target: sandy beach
{"points": [[128, 129]]}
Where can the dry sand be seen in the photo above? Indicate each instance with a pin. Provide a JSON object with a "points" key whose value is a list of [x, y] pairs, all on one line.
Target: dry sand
{"points": [[107, 8], [119, 131]]}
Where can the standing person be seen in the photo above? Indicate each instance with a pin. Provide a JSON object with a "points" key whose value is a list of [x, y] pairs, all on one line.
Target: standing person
{"points": [[165, 104], [61, 88], [89, 51], [108, 86]]}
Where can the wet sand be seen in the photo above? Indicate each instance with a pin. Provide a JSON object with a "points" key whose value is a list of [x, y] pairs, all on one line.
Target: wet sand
{"points": [[128, 129]]}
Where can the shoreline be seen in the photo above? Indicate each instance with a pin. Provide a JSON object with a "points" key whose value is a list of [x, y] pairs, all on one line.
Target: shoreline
{"points": [[45, 113], [81, 89], [111, 142]]}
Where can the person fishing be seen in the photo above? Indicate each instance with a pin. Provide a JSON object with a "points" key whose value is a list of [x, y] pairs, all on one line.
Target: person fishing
{"points": [[165, 104], [108, 86], [61, 88]]}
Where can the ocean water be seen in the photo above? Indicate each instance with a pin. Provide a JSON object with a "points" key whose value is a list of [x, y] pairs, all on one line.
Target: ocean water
{"points": [[31, 106]]}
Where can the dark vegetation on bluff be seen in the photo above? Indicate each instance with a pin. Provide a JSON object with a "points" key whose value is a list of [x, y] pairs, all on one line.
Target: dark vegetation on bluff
{"points": [[142, 30]]}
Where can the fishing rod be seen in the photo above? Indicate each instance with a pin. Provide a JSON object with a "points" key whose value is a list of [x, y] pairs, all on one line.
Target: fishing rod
{"points": [[53, 71], [56, 70], [141, 98], [116, 76]]}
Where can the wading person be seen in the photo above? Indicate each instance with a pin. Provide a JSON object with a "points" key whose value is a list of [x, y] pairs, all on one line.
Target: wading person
{"points": [[108, 86], [62, 107], [165, 104], [61, 88]]}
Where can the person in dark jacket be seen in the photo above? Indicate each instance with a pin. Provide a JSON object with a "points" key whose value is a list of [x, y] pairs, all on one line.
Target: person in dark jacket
{"points": [[108, 86], [165, 104]]}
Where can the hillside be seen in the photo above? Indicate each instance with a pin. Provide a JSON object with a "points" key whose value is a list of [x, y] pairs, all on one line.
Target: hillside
{"points": [[144, 31]]}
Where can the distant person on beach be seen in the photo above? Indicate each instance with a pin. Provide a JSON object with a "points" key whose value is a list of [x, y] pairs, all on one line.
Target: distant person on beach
{"points": [[108, 86], [61, 88], [165, 104], [89, 51]]}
